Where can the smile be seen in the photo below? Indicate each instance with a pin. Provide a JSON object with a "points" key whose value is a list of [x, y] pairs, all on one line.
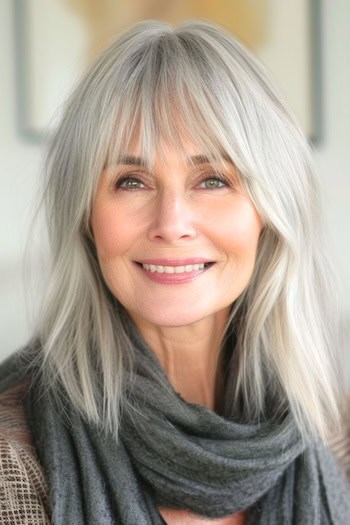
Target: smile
{"points": [[172, 273], [173, 269]]}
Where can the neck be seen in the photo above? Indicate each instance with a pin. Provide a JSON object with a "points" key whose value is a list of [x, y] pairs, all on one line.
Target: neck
{"points": [[190, 356]]}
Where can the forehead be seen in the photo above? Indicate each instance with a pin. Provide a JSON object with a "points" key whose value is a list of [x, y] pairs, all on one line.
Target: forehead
{"points": [[156, 137], [190, 160], [186, 152]]}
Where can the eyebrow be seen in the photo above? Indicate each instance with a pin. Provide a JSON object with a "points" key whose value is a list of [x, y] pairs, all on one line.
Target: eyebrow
{"points": [[132, 160]]}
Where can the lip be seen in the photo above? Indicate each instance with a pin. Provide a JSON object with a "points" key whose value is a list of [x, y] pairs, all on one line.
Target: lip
{"points": [[175, 262], [173, 278]]}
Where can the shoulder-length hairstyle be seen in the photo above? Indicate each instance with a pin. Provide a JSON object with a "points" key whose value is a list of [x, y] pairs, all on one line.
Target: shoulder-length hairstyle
{"points": [[156, 83]]}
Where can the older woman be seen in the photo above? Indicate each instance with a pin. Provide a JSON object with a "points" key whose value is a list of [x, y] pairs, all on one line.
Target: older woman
{"points": [[184, 367]]}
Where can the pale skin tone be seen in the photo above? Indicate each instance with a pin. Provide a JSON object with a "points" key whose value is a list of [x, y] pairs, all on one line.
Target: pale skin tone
{"points": [[189, 355], [178, 212]]}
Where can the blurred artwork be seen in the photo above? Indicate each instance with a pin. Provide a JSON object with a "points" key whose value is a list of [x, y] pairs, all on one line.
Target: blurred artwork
{"points": [[61, 38], [106, 18]]}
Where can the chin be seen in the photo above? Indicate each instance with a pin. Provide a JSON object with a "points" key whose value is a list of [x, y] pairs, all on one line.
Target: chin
{"points": [[171, 318]]}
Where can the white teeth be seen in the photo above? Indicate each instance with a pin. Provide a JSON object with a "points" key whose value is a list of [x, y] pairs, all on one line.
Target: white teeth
{"points": [[173, 269]]}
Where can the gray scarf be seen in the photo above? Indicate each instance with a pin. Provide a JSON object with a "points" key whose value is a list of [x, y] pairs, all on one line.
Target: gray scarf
{"points": [[176, 454]]}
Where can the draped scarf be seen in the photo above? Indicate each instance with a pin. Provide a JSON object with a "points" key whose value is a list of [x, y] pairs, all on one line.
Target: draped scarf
{"points": [[175, 454]]}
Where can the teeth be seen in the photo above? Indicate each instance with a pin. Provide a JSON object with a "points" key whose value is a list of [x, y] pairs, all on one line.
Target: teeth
{"points": [[173, 269]]}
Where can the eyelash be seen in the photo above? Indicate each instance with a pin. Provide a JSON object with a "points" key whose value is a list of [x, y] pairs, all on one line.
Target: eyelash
{"points": [[134, 178], [126, 178], [219, 177]]}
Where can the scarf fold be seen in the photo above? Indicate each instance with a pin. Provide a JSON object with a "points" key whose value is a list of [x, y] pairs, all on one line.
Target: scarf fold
{"points": [[180, 455]]}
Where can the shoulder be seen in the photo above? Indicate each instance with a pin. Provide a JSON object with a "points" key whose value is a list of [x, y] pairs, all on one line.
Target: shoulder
{"points": [[23, 489]]}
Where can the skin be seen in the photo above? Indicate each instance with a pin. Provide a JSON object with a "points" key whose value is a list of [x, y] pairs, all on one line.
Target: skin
{"points": [[178, 211]]}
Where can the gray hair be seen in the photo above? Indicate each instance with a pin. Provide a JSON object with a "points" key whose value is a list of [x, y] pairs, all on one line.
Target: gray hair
{"points": [[154, 82]]}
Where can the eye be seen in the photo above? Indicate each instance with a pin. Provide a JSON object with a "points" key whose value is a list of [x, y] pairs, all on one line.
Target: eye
{"points": [[214, 182], [129, 183]]}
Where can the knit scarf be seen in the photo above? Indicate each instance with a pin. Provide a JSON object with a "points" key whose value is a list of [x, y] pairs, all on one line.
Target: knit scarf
{"points": [[175, 454]]}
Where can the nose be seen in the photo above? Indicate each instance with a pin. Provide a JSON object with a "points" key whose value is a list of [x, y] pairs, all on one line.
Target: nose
{"points": [[173, 218]]}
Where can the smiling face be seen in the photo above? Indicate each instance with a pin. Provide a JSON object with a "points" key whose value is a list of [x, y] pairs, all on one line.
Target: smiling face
{"points": [[178, 244]]}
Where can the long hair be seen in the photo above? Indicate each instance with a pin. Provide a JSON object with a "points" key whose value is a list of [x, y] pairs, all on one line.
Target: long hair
{"points": [[157, 82]]}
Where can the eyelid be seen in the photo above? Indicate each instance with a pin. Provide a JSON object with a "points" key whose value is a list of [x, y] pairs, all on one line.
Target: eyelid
{"points": [[216, 174], [123, 175]]}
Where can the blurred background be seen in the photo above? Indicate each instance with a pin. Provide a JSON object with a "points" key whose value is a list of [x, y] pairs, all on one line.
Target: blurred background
{"points": [[48, 44]]}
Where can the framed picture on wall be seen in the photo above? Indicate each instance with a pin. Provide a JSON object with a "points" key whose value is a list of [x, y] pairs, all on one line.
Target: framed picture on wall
{"points": [[57, 40]]}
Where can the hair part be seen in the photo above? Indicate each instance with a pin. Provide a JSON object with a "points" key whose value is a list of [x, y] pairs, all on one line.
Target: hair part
{"points": [[158, 84]]}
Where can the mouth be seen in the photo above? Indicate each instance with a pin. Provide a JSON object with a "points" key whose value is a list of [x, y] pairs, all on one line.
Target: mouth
{"points": [[178, 269], [173, 268]]}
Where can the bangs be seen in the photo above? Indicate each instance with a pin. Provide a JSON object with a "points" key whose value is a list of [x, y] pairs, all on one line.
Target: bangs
{"points": [[167, 99]]}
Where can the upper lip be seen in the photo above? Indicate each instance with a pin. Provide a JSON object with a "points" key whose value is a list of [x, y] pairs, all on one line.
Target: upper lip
{"points": [[176, 262]]}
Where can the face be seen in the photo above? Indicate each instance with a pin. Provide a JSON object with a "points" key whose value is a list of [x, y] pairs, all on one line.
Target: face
{"points": [[176, 245]]}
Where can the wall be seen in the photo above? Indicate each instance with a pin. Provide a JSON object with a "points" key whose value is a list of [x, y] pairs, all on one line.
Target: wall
{"points": [[20, 166], [333, 154]]}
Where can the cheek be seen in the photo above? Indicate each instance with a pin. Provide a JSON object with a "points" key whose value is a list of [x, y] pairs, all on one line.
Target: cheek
{"points": [[105, 234], [239, 230], [111, 232]]}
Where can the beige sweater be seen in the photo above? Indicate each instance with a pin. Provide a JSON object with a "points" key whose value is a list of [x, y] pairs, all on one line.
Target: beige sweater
{"points": [[23, 489]]}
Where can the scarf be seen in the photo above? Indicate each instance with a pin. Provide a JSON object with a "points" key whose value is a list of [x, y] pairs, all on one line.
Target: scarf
{"points": [[176, 454]]}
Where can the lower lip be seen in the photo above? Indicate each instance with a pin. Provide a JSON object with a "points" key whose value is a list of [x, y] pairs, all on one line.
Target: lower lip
{"points": [[173, 278]]}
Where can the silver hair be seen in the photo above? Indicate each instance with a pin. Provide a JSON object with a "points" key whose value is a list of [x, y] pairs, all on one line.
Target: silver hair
{"points": [[158, 82]]}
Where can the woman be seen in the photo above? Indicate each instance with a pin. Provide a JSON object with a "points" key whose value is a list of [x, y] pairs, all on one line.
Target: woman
{"points": [[184, 367]]}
